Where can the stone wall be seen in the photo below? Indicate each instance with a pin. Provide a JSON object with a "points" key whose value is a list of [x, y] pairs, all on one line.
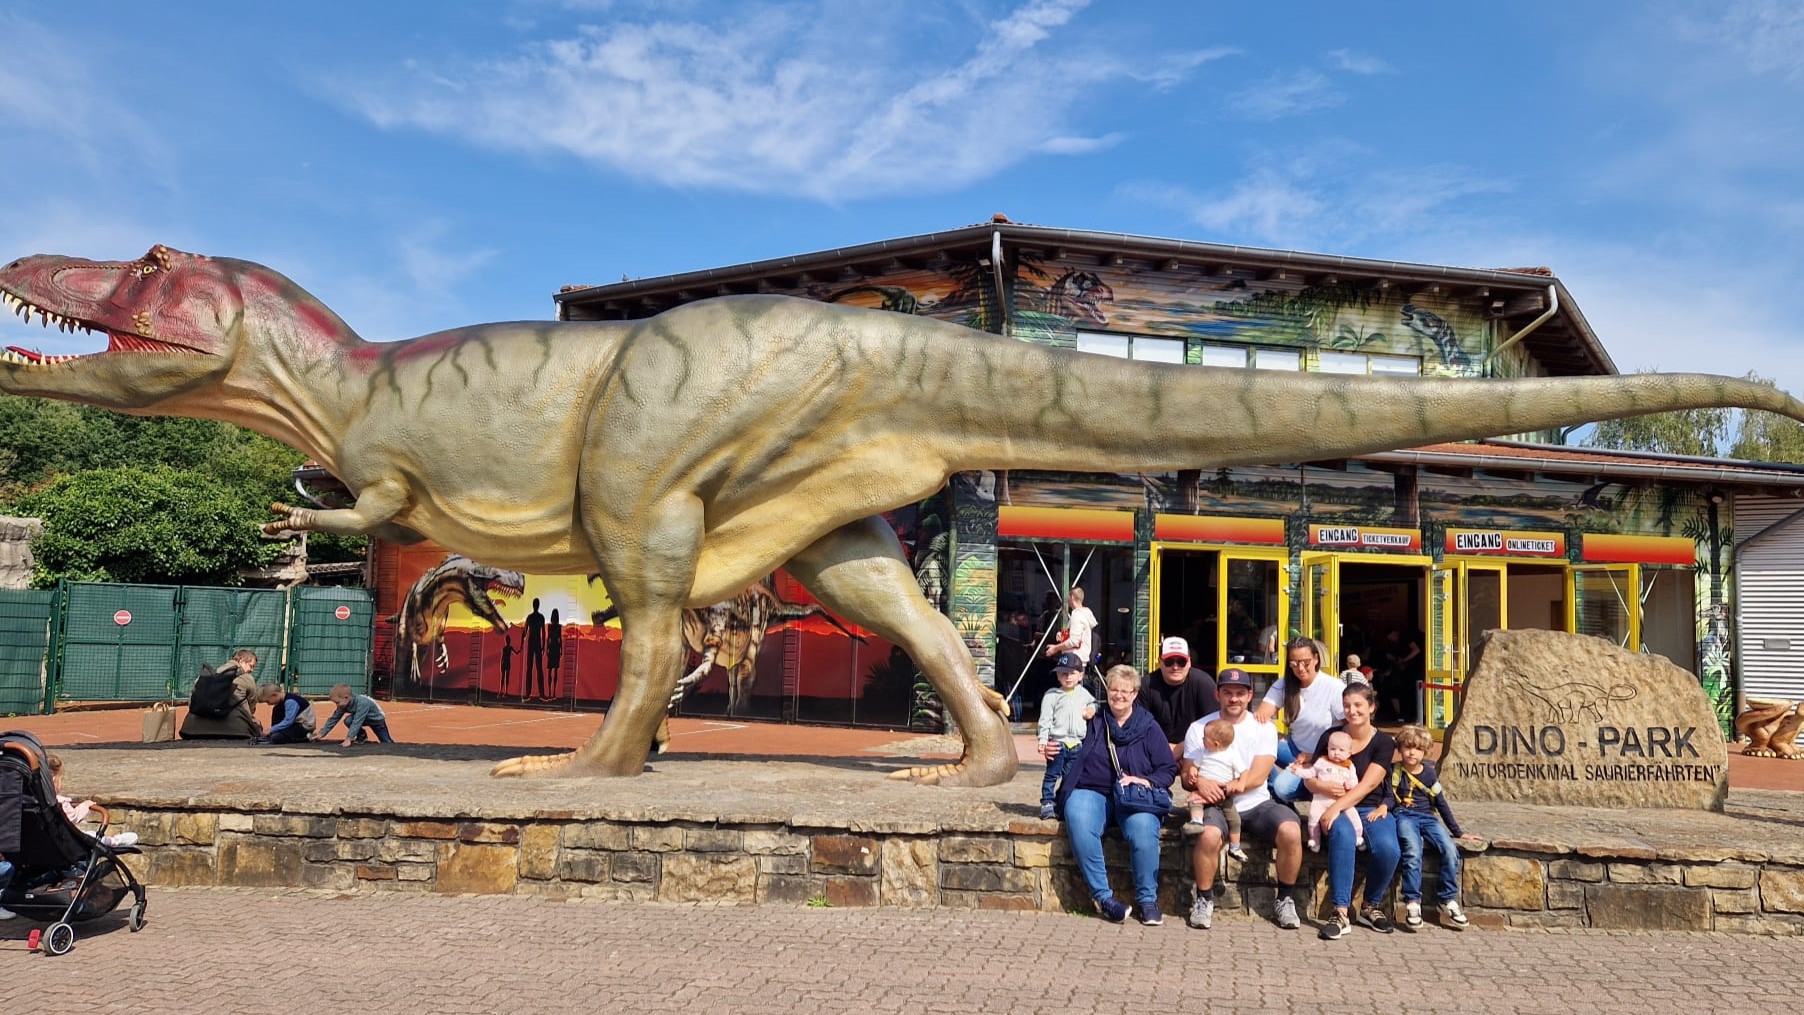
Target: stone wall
{"points": [[1027, 867]]}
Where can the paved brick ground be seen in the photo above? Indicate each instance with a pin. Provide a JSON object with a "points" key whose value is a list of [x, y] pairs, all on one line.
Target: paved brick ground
{"points": [[241, 950]]}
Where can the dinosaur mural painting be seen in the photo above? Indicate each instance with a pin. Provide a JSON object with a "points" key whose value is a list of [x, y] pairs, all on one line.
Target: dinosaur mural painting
{"points": [[456, 581], [687, 455]]}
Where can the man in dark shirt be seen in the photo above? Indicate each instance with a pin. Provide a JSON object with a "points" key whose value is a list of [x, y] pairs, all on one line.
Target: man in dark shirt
{"points": [[1178, 695]]}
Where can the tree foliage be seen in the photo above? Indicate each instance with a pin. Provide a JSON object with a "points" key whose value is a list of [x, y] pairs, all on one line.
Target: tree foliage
{"points": [[136, 470], [153, 524], [1750, 435]]}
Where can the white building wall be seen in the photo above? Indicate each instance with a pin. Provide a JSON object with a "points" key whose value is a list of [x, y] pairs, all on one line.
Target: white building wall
{"points": [[1769, 567]]}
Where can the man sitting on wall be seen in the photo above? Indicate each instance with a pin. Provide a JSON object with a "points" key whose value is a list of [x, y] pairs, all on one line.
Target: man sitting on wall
{"points": [[1180, 696]]}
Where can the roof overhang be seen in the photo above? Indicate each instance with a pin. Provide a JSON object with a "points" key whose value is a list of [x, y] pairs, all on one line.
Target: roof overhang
{"points": [[1565, 344], [1522, 457]]}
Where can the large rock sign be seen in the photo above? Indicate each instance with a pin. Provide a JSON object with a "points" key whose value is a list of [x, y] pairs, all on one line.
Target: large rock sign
{"points": [[1564, 719]]}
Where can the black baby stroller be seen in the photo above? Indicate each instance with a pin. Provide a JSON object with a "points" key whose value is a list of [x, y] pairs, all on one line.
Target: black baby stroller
{"points": [[60, 873]]}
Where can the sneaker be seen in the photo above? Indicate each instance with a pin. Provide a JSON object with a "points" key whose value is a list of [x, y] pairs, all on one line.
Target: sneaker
{"points": [[1111, 910], [122, 840], [1193, 828], [1287, 913], [1335, 929], [1202, 912], [7, 914], [1455, 914], [1239, 855], [1412, 914], [1048, 812], [1315, 845], [1148, 914], [1373, 917]]}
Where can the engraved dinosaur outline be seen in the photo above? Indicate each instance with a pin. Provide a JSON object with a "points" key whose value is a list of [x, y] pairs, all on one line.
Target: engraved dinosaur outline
{"points": [[1568, 700]]}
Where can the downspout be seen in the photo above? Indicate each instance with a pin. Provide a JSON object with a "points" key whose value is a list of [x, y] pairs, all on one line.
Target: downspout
{"points": [[1002, 299], [1553, 307]]}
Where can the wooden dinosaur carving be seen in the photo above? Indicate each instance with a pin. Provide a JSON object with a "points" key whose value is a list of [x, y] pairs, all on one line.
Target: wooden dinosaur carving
{"points": [[686, 456], [1771, 728]]}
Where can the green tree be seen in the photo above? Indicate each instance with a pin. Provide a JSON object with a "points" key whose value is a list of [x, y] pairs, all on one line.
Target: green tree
{"points": [[153, 524], [1766, 436], [1687, 432]]}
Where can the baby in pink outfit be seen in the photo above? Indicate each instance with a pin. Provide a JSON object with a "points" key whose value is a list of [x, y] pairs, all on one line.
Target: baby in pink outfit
{"points": [[1335, 768]]}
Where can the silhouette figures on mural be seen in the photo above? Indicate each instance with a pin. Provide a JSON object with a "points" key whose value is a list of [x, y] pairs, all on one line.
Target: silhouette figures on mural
{"points": [[535, 651], [554, 654], [507, 659]]}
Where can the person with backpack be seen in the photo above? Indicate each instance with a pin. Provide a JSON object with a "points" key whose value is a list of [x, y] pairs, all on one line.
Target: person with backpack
{"points": [[222, 704]]}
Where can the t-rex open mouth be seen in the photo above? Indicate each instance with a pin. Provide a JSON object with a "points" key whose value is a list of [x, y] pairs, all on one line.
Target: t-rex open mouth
{"points": [[117, 341]]}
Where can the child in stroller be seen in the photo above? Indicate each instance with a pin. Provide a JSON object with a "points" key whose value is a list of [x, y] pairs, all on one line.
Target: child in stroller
{"points": [[60, 873]]}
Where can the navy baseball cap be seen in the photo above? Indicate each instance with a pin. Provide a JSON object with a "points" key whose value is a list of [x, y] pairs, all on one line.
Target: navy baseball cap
{"points": [[1067, 661], [1233, 676]]}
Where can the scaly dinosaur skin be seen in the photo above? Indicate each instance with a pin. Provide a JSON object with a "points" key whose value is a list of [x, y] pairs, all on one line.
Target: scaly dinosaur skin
{"points": [[687, 456]]}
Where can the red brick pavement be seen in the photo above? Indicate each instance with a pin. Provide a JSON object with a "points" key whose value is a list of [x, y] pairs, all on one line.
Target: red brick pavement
{"points": [[250, 951]]}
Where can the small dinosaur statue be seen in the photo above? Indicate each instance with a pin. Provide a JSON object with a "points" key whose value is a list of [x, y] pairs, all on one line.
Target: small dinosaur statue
{"points": [[1771, 728], [686, 456], [427, 606]]}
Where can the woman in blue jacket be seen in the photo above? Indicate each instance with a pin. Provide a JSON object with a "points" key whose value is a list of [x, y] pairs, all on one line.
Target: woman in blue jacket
{"points": [[1085, 802]]}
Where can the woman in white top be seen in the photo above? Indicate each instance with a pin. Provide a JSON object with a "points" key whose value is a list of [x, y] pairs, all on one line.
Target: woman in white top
{"points": [[1311, 702]]}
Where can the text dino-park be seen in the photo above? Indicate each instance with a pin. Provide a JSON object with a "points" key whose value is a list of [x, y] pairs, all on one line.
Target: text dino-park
{"points": [[1550, 744]]}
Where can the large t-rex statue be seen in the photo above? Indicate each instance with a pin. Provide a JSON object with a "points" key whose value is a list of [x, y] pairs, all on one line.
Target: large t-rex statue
{"points": [[688, 455]]}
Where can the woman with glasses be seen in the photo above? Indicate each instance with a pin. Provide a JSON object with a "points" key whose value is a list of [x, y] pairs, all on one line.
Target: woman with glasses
{"points": [[1086, 802], [1311, 702]]}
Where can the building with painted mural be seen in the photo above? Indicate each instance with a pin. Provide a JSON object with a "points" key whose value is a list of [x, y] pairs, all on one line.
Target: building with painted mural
{"points": [[1402, 558]]}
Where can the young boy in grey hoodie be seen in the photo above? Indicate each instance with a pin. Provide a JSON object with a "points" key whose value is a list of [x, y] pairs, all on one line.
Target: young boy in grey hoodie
{"points": [[1064, 713]]}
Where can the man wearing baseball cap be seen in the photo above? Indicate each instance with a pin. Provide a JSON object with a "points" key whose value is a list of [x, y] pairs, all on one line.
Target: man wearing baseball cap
{"points": [[1180, 695], [1256, 745]]}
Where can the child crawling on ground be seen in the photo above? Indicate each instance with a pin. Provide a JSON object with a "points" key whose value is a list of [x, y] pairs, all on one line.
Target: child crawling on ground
{"points": [[361, 714], [1336, 768], [1219, 763], [78, 812]]}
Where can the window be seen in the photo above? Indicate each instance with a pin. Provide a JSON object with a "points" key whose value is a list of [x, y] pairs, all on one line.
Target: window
{"points": [[1242, 356], [1225, 356], [1330, 362], [1277, 359], [1137, 347]]}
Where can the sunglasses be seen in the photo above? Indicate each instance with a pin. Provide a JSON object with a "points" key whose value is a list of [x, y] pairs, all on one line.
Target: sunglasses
{"points": [[1173, 661]]}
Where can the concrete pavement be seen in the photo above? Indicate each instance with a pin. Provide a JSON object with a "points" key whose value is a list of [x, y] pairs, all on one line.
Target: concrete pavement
{"points": [[254, 951]]}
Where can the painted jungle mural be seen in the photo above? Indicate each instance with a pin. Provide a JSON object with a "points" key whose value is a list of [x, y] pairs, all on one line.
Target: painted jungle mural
{"points": [[459, 629]]}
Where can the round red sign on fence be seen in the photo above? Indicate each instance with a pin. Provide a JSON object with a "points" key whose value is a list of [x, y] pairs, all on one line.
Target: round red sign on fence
{"points": [[342, 613], [122, 618]]}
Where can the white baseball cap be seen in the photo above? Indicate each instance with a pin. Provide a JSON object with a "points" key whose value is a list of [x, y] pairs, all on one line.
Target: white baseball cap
{"points": [[1174, 647]]}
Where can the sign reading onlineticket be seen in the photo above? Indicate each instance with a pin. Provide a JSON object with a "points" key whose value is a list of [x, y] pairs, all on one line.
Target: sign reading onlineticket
{"points": [[1572, 720]]}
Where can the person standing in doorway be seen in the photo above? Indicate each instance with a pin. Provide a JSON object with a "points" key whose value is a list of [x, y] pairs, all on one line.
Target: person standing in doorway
{"points": [[535, 651], [1079, 626], [554, 654]]}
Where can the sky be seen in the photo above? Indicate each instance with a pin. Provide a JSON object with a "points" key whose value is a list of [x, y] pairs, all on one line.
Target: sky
{"points": [[420, 166]]}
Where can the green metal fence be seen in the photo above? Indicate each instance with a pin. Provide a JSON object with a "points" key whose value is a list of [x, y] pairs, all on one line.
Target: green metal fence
{"points": [[26, 619], [329, 639], [90, 641]]}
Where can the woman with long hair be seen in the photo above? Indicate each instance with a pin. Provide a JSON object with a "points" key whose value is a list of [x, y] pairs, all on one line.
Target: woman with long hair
{"points": [[1310, 701]]}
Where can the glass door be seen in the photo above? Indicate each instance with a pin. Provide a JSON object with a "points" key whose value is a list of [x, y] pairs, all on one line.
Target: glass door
{"points": [[1440, 692], [1603, 600], [1256, 606], [1321, 603]]}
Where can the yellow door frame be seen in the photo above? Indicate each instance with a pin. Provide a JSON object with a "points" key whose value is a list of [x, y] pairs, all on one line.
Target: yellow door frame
{"points": [[1224, 552], [1631, 604]]}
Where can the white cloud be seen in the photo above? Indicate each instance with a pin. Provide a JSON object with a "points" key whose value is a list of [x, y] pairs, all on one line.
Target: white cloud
{"points": [[1282, 95], [776, 102], [1081, 145], [1358, 63], [1768, 34]]}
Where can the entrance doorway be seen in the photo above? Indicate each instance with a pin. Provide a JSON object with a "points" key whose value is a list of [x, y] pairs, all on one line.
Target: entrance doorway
{"points": [[1384, 619], [1229, 603], [1032, 581]]}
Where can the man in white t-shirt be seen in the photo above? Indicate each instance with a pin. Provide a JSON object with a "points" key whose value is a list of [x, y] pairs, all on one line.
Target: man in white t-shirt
{"points": [[1256, 745], [1079, 627]]}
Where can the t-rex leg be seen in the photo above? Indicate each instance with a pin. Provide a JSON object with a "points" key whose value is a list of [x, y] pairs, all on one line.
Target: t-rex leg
{"points": [[648, 578], [858, 572]]}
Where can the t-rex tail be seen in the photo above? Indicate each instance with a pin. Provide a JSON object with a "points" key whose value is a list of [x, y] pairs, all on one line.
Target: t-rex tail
{"points": [[1035, 408]]}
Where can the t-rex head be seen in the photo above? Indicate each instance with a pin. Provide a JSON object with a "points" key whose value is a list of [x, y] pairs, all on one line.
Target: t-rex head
{"points": [[173, 321]]}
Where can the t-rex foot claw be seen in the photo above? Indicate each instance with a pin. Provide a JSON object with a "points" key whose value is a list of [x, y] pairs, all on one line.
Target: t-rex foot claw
{"points": [[996, 701], [928, 775], [532, 764]]}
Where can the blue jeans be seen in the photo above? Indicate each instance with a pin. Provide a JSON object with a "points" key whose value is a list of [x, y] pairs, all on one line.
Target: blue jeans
{"points": [[378, 728], [1055, 770], [1382, 854], [1412, 829], [1285, 785], [1087, 814]]}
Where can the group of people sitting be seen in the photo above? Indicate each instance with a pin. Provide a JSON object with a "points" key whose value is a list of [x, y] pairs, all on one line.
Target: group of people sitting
{"points": [[1368, 793], [223, 706]]}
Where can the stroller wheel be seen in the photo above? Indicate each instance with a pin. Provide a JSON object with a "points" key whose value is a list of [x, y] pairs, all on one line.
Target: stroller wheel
{"points": [[135, 919], [59, 938]]}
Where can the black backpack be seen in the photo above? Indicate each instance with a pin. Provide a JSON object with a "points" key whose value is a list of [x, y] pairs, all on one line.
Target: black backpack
{"points": [[212, 695]]}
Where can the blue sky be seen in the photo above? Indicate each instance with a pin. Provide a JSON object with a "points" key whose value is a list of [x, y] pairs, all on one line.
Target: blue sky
{"points": [[422, 166]]}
